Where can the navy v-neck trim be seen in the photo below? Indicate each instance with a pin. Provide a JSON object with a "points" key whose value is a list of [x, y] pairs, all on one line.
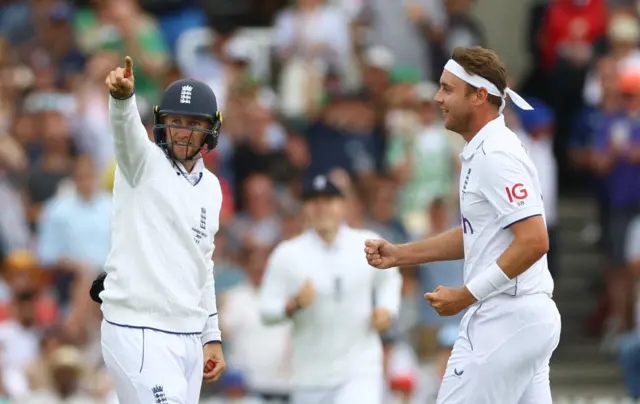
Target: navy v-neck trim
{"points": [[185, 175]]}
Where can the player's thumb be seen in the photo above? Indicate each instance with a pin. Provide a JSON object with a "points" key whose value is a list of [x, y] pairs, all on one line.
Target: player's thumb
{"points": [[128, 67], [429, 297]]}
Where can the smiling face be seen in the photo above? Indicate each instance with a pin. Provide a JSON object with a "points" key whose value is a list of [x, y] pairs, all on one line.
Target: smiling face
{"points": [[455, 102], [186, 141]]}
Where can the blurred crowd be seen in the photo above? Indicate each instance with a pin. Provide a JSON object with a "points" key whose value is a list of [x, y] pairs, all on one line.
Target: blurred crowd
{"points": [[306, 87]]}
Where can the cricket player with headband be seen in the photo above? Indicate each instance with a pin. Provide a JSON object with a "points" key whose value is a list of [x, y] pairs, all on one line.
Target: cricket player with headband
{"points": [[512, 326], [337, 302], [160, 334]]}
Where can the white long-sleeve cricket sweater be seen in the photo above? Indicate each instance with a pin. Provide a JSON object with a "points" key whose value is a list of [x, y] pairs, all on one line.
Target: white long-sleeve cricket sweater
{"points": [[159, 268], [333, 339]]}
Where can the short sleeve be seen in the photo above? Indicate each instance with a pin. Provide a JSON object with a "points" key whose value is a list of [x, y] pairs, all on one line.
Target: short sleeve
{"points": [[509, 187]]}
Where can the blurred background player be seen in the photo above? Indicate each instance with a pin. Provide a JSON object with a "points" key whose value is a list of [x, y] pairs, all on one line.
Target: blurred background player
{"points": [[338, 304], [161, 294]]}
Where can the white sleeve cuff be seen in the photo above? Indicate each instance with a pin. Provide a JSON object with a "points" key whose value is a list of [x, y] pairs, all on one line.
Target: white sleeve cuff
{"points": [[122, 104], [211, 331], [274, 312]]}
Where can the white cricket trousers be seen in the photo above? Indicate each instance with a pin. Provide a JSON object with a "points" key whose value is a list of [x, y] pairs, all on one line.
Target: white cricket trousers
{"points": [[153, 367], [502, 352], [359, 389]]}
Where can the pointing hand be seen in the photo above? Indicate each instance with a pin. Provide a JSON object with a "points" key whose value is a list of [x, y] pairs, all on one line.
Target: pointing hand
{"points": [[120, 81]]}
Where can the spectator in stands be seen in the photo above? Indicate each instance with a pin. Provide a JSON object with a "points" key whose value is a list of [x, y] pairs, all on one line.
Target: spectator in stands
{"points": [[258, 223], [417, 136], [74, 230], [175, 17], [457, 28], [623, 37], [396, 25], [617, 160], [22, 275], [122, 26], [20, 344], [228, 273], [570, 31], [343, 138], [67, 371], [311, 38], [377, 61], [588, 120], [54, 164]]}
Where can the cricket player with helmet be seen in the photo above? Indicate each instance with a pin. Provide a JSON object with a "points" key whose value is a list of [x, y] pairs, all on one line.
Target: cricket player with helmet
{"points": [[160, 334]]}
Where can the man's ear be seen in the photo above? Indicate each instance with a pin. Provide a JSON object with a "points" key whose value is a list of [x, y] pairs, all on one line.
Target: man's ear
{"points": [[482, 95]]}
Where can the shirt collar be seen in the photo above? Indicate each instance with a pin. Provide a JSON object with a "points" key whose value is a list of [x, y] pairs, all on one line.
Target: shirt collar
{"points": [[195, 175], [337, 243], [476, 142]]}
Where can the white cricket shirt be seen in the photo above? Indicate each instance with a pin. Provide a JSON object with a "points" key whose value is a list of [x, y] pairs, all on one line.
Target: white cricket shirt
{"points": [[333, 339], [160, 272], [499, 186]]}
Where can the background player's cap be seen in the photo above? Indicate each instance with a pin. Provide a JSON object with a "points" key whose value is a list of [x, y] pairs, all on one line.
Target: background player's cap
{"points": [[320, 185]]}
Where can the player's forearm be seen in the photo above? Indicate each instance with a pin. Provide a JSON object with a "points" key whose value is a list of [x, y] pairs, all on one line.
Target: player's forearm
{"points": [[130, 136], [447, 246]]}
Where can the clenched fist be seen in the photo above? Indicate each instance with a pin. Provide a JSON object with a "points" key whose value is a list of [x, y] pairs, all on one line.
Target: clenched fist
{"points": [[381, 253], [120, 81], [306, 294], [381, 320], [450, 301]]}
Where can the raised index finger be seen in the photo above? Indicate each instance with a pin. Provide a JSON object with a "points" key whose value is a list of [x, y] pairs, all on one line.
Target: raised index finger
{"points": [[128, 67]]}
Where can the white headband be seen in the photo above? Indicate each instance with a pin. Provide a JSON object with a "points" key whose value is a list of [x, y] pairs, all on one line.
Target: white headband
{"points": [[480, 82]]}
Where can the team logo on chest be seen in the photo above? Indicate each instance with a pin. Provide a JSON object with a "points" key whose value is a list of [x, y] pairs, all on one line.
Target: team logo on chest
{"points": [[200, 232]]}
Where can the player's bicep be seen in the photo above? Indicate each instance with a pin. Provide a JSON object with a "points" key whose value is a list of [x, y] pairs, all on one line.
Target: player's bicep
{"points": [[532, 232], [509, 188]]}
